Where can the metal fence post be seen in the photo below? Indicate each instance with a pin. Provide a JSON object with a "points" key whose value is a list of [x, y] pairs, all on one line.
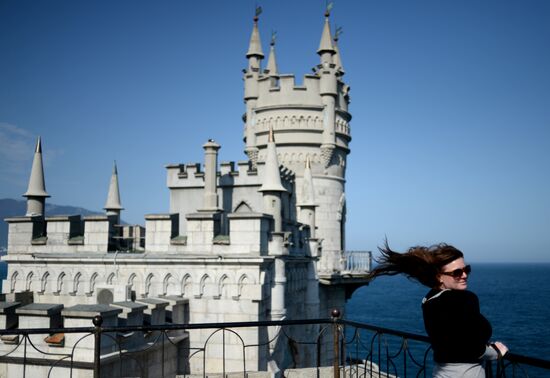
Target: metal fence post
{"points": [[335, 314], [97, 321]]}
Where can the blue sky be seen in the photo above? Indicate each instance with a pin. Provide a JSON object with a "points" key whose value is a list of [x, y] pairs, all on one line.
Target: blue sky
{"points": [[450, 105]]}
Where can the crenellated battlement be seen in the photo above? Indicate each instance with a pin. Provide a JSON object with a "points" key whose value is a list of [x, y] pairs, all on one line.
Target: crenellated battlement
{"points": [[230, 173], [284, 91], [71, 234], [247, 235], [190, 175]]}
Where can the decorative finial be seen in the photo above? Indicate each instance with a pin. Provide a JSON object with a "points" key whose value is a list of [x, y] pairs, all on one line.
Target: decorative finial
{"points": [[273, 37], [97, 320], [337, 33], [328, 9], [257, 14]]}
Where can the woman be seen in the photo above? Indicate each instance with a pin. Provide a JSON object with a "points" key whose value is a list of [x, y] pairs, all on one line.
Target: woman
{"points": [[459, 334]]}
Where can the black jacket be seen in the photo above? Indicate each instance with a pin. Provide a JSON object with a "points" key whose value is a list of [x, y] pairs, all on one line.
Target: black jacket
{"points": [[457, 330]]}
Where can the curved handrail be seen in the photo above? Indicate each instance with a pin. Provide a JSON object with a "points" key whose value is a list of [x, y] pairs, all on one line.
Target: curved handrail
{"points": [[358, 347]]}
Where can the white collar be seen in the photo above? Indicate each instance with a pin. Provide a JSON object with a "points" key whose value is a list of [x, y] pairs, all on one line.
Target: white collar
{"points": [[425, 299]]}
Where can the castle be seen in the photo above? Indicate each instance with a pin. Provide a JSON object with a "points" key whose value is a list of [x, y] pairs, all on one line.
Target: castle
{"points": [[261, 239]]}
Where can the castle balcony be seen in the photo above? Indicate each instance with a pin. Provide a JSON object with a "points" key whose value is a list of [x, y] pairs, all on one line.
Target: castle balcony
{"points": [[346, 263], [345, 268]]}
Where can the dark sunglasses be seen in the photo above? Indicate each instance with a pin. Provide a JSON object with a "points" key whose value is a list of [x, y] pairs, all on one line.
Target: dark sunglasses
{"points": [[457, 273]]}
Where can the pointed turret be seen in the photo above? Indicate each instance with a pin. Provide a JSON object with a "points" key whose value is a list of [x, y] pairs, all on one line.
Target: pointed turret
{"points": [[326, 49], [251, 76], [328, 89], [271, 67], [272, 188], [272, 177], [36, 192], [337, 58], [255, 45], [113, 206]]}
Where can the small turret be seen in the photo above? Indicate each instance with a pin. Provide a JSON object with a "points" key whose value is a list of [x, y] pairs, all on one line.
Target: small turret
{"points": [[326, 49], [271, 68], [272, 177], [337, 58], [272, 187], [328, 91], [251, 76], [255, 53], [113, 205], [36, 192]]}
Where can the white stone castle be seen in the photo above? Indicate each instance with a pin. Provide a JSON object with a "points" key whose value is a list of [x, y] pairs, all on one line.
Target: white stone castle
{"points": [[263, 239]]}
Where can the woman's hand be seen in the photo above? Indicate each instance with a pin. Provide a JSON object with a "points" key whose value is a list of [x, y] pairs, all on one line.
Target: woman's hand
{"points": [[503, 349]]}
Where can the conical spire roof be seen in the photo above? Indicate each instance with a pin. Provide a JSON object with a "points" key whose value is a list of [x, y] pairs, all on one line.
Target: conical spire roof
{"points": [[272, 177], [37, 184], [271, 67], [308, 191], [337, 58], [326, 38], [255, 45], [113, 197]]}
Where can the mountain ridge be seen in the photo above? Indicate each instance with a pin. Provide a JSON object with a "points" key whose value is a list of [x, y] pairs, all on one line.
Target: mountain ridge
{"points": [[10, 207]]}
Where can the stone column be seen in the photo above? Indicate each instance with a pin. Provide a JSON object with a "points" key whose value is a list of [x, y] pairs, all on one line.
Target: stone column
{"points": [[210, 177]]}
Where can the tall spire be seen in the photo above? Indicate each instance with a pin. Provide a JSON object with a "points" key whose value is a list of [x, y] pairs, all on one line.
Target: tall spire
{"points": [[325, 46], [337, 58], [271, 67], [251, 91], [113, 206], [272, 177], [255, 45], [36, 192]]}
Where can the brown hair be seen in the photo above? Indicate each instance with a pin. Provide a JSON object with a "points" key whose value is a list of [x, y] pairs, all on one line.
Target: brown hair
{"points": [[420, 263]]}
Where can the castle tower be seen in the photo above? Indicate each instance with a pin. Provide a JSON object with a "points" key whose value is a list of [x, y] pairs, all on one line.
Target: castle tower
{"points": [[36, 192], [310, 121], [113, 205], [251, 76]]}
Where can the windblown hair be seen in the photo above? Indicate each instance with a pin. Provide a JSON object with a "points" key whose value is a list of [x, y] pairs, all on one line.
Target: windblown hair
{"points": [[420, 263]]}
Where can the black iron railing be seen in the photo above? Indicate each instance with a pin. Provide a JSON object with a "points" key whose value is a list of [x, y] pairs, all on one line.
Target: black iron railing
{"points": [[341, 348]]}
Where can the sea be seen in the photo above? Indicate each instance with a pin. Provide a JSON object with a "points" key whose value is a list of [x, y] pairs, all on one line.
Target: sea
{"points": [[515, 298]]}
